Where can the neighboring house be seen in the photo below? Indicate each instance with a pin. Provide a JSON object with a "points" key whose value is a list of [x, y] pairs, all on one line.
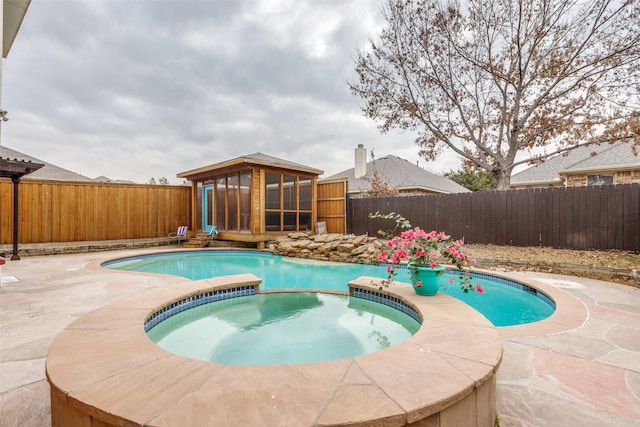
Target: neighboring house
{"points": [[589, 165], [48, 172], [396, 173]]}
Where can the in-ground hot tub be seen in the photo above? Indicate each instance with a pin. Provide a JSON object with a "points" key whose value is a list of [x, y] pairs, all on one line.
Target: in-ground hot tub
{"points": [[104, 370], [277, 328]]}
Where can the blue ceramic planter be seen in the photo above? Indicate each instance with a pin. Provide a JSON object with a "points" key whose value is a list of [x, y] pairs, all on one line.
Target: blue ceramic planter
{"points": [[426, 280]]}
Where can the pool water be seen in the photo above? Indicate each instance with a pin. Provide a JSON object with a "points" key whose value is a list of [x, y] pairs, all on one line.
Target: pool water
{"points": [[504, 302], [283, 328], [276, 272]]}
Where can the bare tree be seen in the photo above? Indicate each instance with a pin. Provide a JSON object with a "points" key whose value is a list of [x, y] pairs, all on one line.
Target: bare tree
{"points": [[161, 181], [380, 187], [504, 82]]}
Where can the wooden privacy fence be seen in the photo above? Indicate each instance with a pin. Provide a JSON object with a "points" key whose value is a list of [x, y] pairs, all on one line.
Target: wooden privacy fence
{"points": [[597, 217], [52, 211]]}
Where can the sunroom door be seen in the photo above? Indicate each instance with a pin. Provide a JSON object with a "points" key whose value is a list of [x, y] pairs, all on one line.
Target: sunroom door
{"points": [[208, 211]]}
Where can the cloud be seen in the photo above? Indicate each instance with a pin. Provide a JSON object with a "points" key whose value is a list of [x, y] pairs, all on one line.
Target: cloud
{"points": [[141, 89]]}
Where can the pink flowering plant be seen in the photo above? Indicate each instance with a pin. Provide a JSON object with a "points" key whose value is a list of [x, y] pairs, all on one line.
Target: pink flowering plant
{"points": [[418, 248]]}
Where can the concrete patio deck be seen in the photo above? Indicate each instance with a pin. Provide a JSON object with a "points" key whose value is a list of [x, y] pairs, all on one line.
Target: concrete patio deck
{"points": [[587, 376]]}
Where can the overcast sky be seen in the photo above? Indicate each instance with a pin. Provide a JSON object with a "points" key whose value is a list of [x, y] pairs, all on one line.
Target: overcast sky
{"points": [[151, 88]]}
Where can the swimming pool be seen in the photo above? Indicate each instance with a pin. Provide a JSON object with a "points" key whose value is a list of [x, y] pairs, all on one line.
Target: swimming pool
{"points": [[505, 302]]}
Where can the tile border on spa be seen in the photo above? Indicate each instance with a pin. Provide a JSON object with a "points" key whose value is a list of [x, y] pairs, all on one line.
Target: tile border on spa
{"points": [[195, 301], [217, 295], [226, 294], [385, 299]]}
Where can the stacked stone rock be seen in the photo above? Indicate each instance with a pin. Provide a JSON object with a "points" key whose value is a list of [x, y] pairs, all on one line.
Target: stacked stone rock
{"points": [[328, 247]]}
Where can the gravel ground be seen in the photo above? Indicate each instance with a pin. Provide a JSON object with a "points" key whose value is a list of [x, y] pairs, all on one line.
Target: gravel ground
{"points": [[614, 266]]}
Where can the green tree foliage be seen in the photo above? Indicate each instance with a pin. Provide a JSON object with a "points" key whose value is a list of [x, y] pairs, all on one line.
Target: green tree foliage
{"points": [[504, 82], [473, 179]]}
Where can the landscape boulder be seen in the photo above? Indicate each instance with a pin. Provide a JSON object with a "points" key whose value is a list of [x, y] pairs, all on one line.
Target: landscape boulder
{"points": [[361, 249]]}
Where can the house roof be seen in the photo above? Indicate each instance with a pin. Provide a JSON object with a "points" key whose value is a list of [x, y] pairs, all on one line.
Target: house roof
{"points": [[13, 14], [107, 180], [589, 158], [48, 172], [252, 159], [399, 174]]}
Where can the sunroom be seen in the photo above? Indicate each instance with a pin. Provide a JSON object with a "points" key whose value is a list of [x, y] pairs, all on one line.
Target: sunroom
{"points": [[253, 198]]}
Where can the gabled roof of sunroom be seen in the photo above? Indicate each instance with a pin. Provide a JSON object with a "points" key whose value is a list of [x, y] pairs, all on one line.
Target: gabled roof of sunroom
{"points": [[252, 159]]}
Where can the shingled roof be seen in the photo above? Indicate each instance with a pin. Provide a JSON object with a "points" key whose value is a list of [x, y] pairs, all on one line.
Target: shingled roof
{"points": [[48, 172], [400, 174], [604, 157], [251, 159]]}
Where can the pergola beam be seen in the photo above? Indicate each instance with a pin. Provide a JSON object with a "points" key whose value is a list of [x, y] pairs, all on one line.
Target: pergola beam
{"points": [[16, 169]]}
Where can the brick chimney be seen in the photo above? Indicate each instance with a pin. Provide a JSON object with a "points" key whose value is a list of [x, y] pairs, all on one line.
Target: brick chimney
{"points": [[361, 161]]}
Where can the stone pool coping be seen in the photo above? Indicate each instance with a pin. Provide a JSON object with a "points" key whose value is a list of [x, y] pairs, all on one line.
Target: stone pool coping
{"points": [[570, 312], [103, 369]]}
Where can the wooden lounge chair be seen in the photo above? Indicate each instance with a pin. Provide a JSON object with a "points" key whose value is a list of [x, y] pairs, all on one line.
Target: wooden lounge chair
{"points": [[201, 239], [178, 236]]}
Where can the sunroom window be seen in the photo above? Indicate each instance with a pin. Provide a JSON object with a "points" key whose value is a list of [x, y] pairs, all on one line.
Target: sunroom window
{"points": [[287, 202]]}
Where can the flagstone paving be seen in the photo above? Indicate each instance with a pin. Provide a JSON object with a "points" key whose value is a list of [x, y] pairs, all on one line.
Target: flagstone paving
{"points": [[588, 375]]}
